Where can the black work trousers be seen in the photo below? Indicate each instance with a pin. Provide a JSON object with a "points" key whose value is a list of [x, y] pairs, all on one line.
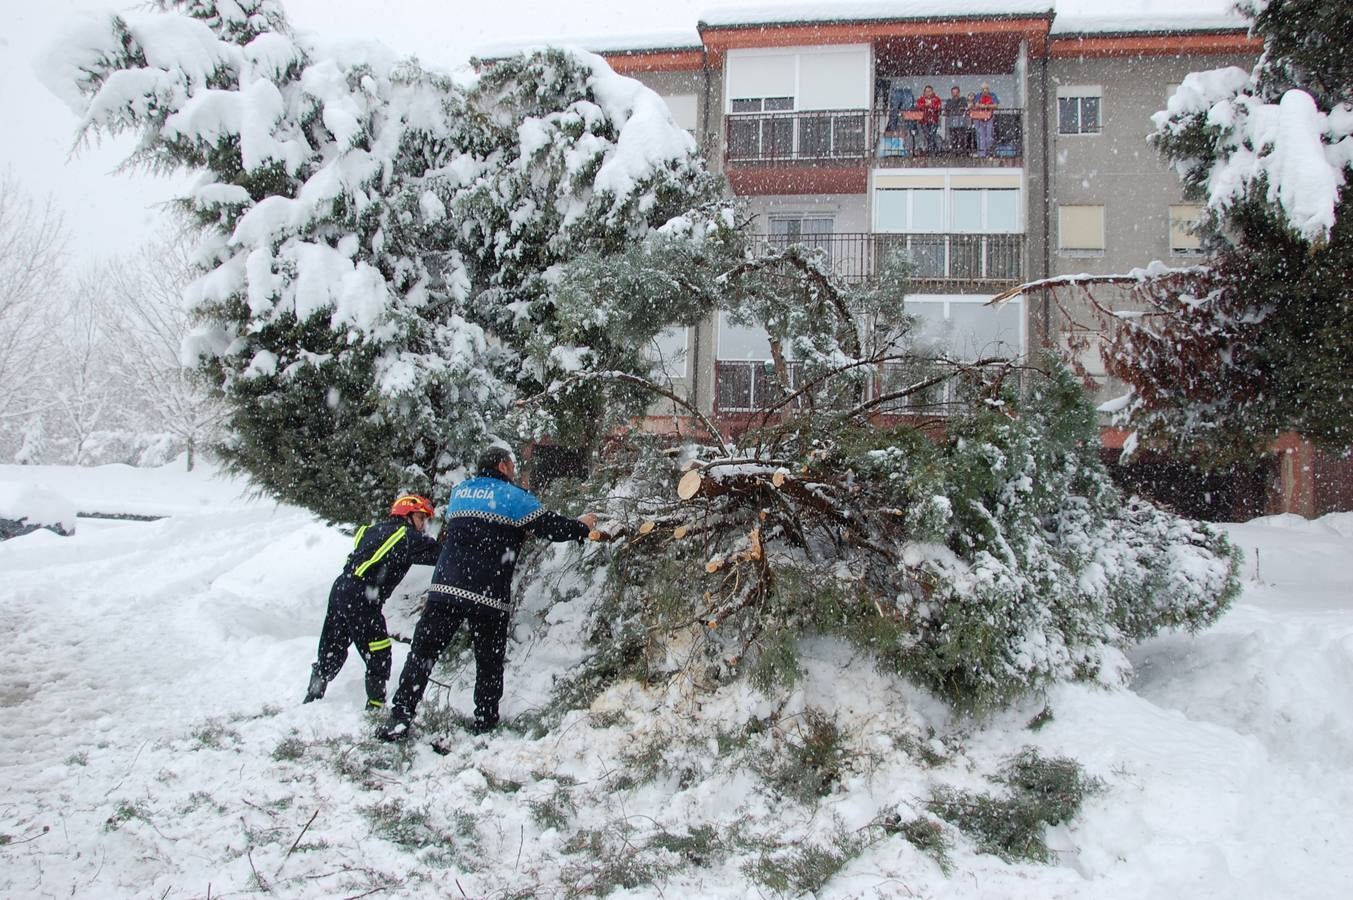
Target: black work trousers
{"points": [[353, 618], [439, 624]]}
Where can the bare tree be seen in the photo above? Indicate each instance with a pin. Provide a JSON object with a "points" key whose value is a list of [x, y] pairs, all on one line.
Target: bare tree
{"points": [[32, 253], [81, 393], [148, 322]]}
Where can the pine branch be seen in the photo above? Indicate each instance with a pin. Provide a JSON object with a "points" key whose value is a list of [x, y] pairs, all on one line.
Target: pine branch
{"points": [[627, 378]]}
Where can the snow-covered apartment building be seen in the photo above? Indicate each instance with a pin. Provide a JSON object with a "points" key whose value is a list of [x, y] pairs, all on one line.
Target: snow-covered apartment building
{"points": [[809, 111]]}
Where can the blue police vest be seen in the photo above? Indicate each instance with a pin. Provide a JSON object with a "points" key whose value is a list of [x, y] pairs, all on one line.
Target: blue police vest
{"points": [[493, 500]]}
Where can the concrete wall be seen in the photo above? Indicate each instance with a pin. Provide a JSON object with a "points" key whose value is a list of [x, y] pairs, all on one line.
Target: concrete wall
{"points": [[706, 87], [850, 211]]}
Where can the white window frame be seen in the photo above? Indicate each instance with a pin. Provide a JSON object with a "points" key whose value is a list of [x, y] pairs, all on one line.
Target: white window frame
{"points": [[724, 324], [947, 210], [866, 74], [1064, 250], [685, 111], [948, 301], [1195, 249], [1079, 93], [907, 227], [985, 227]]}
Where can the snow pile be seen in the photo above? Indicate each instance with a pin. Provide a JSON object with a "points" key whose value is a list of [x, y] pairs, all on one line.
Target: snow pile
{"points": [[1290, 149], [31, 505]]}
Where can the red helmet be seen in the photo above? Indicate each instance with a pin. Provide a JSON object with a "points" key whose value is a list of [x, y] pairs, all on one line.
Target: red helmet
{"points": [[412, 503]]}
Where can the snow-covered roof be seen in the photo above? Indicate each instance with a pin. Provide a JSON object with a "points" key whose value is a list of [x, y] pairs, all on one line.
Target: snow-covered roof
{"points": [[870, 10], [684, 39], [1147, 23], [1071, 16]]}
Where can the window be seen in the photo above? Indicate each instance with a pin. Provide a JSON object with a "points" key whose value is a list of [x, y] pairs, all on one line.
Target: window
{"points": [[763, 104], [970, 210], [1183, 224], [742, 341], [668, 348], [967, 327], [1080, 229], [909, 209], [984, 210], [814, 231], [1078, 110], [685, 111]]}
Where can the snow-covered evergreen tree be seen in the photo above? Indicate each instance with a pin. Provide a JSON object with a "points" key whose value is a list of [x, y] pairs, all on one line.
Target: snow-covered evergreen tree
{"points": [[1256, 342], [380, 241]]}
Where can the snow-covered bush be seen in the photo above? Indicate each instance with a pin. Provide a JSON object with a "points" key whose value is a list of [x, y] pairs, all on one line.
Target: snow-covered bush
{"points": [[380, 241], [1044, 571]]}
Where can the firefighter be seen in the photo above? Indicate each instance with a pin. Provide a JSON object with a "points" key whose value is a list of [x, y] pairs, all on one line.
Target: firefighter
{"points": [[381, 555], [487, 519]]}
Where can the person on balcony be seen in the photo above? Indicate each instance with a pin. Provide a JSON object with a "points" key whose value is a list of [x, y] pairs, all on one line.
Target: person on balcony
{"points": [[956, 122], [986, 102], [929, 105]]}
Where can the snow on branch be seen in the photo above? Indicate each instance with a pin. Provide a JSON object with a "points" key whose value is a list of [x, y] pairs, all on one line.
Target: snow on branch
{"points": [[1291, 150]]}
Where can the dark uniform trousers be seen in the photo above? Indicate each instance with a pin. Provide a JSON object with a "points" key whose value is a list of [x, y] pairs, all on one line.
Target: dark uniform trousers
{"points": [[354, 618], [438, 625]]}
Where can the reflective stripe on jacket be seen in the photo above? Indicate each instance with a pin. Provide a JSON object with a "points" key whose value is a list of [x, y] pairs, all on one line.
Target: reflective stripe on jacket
{"points": [[487, 519], [382, 553]]}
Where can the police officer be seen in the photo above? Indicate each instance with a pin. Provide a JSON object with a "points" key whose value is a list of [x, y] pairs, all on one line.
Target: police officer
{"points": [[380, 558], [487, 519]]}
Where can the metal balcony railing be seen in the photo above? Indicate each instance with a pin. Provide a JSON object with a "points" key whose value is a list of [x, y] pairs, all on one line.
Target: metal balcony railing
{"points": [[973, 263], [831, 134], [743, 386], [859, 136], [746, 386]]}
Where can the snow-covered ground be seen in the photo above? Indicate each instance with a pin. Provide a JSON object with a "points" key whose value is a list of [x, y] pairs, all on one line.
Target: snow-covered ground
{"points": [[152, 742]]}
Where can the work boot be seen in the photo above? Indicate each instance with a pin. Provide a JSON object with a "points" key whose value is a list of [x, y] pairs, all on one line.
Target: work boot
{"points": [[395, 731], [375, 704], [316, 687]]}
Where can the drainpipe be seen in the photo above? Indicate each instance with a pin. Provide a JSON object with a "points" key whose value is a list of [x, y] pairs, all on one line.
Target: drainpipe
{"points": [[693, 387], [1044, 80]]}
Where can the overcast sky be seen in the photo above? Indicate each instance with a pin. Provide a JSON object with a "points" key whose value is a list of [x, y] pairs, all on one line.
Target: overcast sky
{"points": [[110, 214]]}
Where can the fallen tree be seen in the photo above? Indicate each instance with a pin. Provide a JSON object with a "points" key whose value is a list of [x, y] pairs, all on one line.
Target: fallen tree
{"points": [[983, 564]]}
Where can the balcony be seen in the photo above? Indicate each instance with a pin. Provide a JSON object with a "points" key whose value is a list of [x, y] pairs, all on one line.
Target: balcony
{"points": [[745, 387], [860, 138], [778, 138], [944, 263]]}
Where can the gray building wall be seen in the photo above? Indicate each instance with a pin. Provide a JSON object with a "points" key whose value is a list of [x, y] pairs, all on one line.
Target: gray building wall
{"points": [[1117, 167], [850, 211], [706, 87]]}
